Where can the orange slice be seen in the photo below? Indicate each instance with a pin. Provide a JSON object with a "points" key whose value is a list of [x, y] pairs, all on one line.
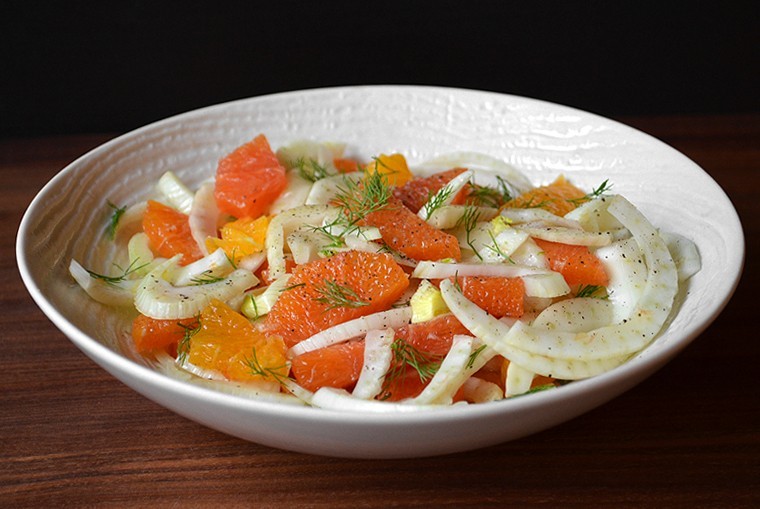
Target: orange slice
{"points": [[559, 197], [404, 231], [336, 366], [577, 264], [168, 232], [228, 343], [249, 179], [368, 283]]}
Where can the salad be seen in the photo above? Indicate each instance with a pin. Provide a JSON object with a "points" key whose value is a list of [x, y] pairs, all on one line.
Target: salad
{"points": [[308, 276]]}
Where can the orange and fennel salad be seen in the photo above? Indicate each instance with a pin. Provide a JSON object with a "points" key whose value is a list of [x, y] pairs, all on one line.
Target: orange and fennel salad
{"points": [[307, 276]]}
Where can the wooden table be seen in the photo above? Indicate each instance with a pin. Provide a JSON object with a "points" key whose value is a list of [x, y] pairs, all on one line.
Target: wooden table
{"points": [[689, 436]]}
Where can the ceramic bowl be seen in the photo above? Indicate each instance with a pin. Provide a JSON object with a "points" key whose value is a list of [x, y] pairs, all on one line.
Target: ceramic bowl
{"points": [[67, 218]]}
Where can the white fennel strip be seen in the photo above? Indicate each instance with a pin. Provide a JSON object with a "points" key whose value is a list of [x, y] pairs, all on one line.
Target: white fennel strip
{"points": [[391, 319], [458, 365], [377, 360], [111, 292], [175, 192], [445, 195], [284, 224], [156, 297], [493, 333], [203, 216], [632, 333]]}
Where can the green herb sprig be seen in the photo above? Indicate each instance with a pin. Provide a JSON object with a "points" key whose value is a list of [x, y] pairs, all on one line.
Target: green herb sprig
{"points": [[119, 278], [335, 295], [113, 222]]}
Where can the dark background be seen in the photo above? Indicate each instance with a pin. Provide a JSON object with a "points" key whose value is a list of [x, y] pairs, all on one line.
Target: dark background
{"points": [[74, 67]]}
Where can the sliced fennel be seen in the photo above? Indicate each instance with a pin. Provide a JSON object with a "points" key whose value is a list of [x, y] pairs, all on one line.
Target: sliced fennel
{"points": [[568, 235], [208, 269], [283, 225], [440, 270], [477, 390], [113, 291], [377, 360], [445, 195], [156, 297], [581, 354], [260, 303], [325, 190], [492, 332], [203, 216], [391, 319], [449, 216], [502, 245], [481, 164], [685, 254], [140, 254], [175, 192], [518, 380]]}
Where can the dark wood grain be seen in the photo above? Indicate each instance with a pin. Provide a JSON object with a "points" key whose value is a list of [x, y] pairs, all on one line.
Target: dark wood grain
{"points": [[689, 436]]}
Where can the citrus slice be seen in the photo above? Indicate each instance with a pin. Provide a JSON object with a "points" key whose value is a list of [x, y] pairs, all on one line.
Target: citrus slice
{"points": [[249, 179], [418, 351], [168, 232], [151, 334], [415, 193], [241, 238], [336, 366], [228, 343], [405, 232], [433, 336], [333, 290], [393, 167], [577, 264], [499, 296], [559, 197]]}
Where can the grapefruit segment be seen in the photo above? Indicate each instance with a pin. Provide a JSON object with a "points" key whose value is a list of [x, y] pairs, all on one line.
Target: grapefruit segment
{"points": [[151, 334], [577, 264], [415, 193], [333, 290], [336, 366], [499, 296], [168, 232], [249, 179], [559, 197], [404, 231]]}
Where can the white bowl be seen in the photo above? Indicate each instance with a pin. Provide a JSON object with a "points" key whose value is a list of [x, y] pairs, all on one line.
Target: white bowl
{"points": [[67, 219]]}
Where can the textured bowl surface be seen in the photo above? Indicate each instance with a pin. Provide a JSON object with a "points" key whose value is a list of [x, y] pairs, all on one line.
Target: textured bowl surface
{"points": [[67, 219]]}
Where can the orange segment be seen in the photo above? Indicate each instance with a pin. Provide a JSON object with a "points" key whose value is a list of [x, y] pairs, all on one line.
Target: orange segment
{"points": [[556, 197], [345, 165], [393, 167], [430, 341], [415, 193], [499, 296], [577, 264], [151, 334], [405, 232], [249, 179], [336, 366], [370, 282], [168, 231], [407, 384], [228, 343], [433, 336], [241, 238]]}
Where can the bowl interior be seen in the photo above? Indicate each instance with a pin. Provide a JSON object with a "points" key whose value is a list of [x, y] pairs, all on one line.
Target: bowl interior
{"points": [[68, 217]]}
